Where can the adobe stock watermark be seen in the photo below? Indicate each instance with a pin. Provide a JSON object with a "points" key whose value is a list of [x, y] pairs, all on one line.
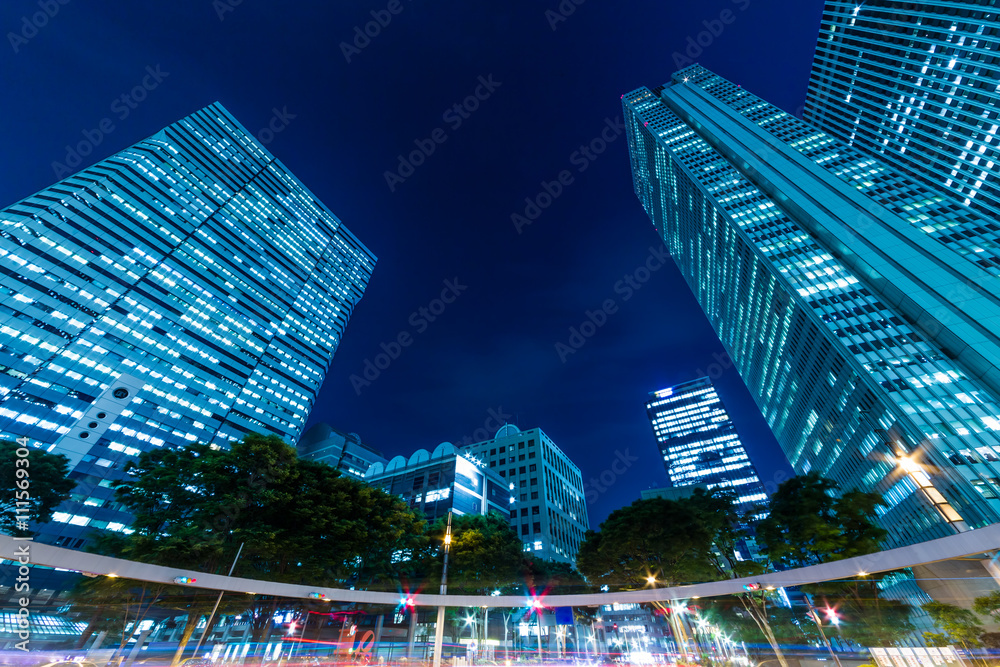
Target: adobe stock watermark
{"points": [[714, 28], [595, 487], [581, 158], [562, 12], [122, 106], [363, 35], [30, 25], [723, 362], [223, 7], [22, 554], [276, 125], [495, 418], [593, 320], [420, 320], [454, 116]]}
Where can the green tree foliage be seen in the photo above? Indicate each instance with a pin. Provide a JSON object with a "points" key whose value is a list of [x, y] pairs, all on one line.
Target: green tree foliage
{"points": [[988, 605], [485, 554], [960, 625], [783, 625], [552, 577], [298, 521], [655, 537], [716, 509], [866, 618], [38, 479], [807, 524], [113, 605]]}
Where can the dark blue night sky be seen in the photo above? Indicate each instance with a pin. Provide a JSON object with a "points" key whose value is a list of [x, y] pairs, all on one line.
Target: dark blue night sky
{"points": [[545, 80]]}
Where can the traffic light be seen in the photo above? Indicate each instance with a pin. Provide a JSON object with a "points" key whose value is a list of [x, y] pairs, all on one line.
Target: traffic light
{"points": [[751, 587], [614, 627], [184, 580]]}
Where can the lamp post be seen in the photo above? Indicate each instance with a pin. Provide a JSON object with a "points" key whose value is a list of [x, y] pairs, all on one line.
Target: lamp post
{"points": [[536, 604], [439, 629]]}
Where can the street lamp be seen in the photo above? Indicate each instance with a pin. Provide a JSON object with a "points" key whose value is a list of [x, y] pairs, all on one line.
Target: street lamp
{"points": [[439, 629]]}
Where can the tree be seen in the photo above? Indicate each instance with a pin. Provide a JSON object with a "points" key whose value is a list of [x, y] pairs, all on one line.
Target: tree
{"points": [[114, 605], [653, 537], [807, 524], [716, 510], [988, 605], [548, 577], [33, 480], [960, 626], [866, 617], [297, 521], [485, 554]]}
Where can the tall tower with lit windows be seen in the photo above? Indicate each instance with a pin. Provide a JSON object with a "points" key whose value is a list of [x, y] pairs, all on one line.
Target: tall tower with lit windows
{"points": [[699, 443], [186, 289], [915, 83], [869, 337]]}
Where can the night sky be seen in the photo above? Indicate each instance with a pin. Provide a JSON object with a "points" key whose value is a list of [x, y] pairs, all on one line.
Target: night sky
{"points": [[549, 84]]}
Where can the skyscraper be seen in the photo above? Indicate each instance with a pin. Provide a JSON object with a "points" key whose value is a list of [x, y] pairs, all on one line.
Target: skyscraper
{"points": [[868, 335], [916, 84], [188, 288], [550, 511], [699, 443]]}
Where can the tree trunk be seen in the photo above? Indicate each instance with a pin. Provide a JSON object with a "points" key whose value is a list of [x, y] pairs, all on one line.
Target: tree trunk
{"points": [[192, 622], [91, 626], [759, 617]]}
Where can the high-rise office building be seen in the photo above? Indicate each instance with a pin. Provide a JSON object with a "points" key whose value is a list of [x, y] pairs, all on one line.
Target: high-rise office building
{"points": [[915, 84], [343, 451], [551, 512], [699, 443], [868, 336], [186, 289]]}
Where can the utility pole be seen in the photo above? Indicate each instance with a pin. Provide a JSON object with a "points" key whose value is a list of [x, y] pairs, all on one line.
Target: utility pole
{"points": [[439, 630]]}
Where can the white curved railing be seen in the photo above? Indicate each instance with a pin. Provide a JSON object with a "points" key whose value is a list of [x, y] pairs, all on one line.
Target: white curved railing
{"points": [[978, 541]]}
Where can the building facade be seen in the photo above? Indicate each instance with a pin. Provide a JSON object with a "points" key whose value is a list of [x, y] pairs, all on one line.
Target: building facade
{"points": [[914, 84], [444, 480], [343, 451], [699, 443], [548, 487], [869, 337], [186, 289]]}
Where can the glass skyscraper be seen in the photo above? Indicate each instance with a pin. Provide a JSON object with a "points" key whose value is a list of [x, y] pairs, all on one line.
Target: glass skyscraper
{"points": [[186, 289], [699, 443], [860, 307], [915, 84]]}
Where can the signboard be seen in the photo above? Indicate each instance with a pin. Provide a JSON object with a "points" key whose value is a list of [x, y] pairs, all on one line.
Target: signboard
{"points": [[564, 615]]}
